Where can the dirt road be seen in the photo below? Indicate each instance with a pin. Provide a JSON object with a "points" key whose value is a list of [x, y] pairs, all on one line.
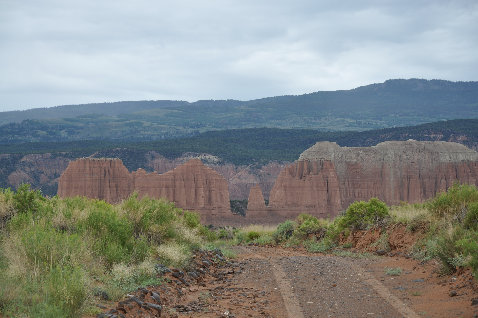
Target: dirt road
{"points": [[286, 283], [312, 285]]}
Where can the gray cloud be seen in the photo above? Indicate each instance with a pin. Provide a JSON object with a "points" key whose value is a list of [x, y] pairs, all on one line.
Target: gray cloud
{"points": [[66, 52]]}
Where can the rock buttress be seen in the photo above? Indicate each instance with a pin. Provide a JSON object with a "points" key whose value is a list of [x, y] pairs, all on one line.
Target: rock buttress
{"points": [[191, 186], [256, 199], [105, 179]]}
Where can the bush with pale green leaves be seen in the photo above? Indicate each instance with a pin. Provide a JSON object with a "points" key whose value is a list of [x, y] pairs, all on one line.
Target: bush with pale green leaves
{"points": [[55, 254]]}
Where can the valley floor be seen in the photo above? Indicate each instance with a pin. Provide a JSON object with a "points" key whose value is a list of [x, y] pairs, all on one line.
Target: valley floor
{"points": [[276, 282]]}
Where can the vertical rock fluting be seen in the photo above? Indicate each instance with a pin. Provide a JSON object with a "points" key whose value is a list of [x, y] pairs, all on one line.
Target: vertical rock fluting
{"points": [[191, 186], [105, 179], [327, 177], [307, 187]]}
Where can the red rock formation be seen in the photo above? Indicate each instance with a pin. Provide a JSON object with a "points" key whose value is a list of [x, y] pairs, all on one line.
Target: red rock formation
{"points": [[256, 199], [191, 186], [105, 179], [239, 178], [307, 186], [327, 177]]}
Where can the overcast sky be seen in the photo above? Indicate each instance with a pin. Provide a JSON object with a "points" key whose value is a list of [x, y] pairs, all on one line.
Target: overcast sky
{"points": [[55, 52]]}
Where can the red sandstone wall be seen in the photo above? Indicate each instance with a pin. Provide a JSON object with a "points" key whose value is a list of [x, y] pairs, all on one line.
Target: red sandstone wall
{"points": [[191, 186], [105, 179], [328, 178]]}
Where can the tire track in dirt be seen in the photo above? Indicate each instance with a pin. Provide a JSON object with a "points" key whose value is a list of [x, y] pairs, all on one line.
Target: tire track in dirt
{"points": [[290, 300], [383, 291]]}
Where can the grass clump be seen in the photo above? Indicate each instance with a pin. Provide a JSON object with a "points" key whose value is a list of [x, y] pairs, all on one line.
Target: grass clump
{"points": [[395, 271], [254, 233]]}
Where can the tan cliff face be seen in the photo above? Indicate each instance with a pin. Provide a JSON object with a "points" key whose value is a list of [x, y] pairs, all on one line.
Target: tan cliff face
{"points": [[191, 186], [327, 177], [105, 179]]}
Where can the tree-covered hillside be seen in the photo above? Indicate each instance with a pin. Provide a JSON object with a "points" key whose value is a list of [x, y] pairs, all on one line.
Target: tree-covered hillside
{"points": [[389, 104], [252, 146]]}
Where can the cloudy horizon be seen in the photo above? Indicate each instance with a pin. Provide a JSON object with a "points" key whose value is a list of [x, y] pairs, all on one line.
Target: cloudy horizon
{"points": [[57, 52]]}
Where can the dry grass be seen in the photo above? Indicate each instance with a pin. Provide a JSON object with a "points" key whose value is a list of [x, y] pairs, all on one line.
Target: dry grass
{"points": [[175, 254], [14, 252], [259, 228], [189, 235], [408, 213]]}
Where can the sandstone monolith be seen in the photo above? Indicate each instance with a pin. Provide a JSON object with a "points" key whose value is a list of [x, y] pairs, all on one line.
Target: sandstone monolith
{"points": [[256, 199]]}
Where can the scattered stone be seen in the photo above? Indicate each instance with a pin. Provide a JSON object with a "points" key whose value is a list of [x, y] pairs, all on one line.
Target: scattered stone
{"points": [[102, 294], [161, 269], [156, 297], [380, 252], [158, 308], [453, 293], [137, 300], [474, 302]]}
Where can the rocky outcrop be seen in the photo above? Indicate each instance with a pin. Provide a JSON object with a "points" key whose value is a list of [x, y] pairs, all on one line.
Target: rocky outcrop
{"points": [[256, 199], [191, 186], [307, 186], [105, 179], [239, 178], [327, 177]]}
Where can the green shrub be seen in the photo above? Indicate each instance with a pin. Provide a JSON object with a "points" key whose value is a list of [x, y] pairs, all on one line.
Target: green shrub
{"points": [[225, 233], [152, 218], [54, 250], [192, 219], [454, 202], [321, 246], [310, 225], [284, 231], [27, 200], [46, 248], [362, 215], [471, 219], [252, 235], [208, 234], [6, 206], [265, 239], [114, 239], [240, 237], [382, 242], [65, 287], [448, 250], [469, 246]]}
